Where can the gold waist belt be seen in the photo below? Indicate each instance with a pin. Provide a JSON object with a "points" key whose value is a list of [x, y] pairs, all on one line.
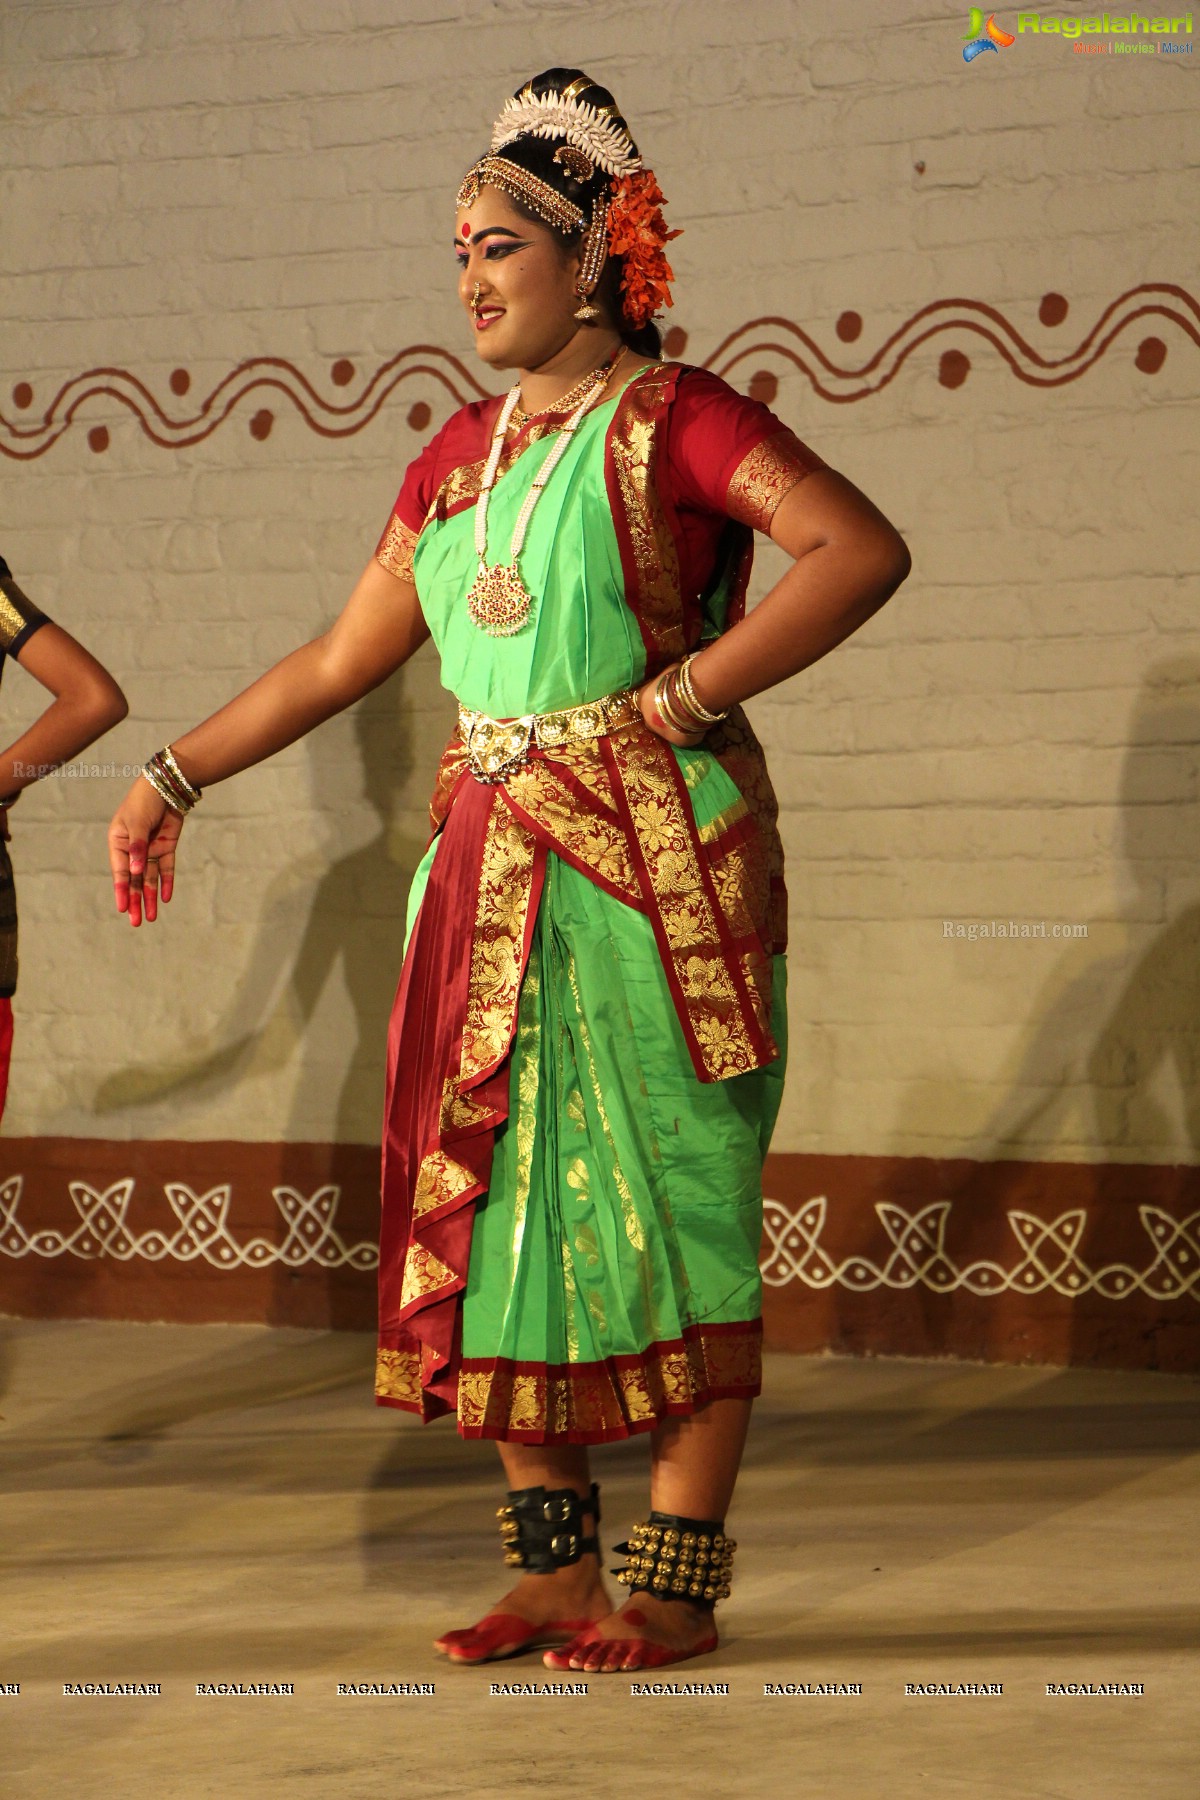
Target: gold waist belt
{"points": [[497, 747]]}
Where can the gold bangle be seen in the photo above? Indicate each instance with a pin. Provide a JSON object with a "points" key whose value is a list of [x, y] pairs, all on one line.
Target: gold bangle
{"points": [[169, 798], [667, 702], [691, 698], [187, 787], [176, 787]]}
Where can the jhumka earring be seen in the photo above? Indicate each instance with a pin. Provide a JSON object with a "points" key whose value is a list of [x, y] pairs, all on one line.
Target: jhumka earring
{"points": [[595, 249]]}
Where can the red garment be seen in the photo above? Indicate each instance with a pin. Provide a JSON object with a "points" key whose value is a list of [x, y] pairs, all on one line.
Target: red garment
{"points": [[6, 1040]]}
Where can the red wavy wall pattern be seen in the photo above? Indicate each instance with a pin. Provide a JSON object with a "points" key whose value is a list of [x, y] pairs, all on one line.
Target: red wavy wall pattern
{"points": [[738, 358]]}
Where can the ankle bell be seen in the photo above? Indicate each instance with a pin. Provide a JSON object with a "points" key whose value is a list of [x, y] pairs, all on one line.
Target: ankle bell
{"points": [[678, 1559], [542, 1529]]}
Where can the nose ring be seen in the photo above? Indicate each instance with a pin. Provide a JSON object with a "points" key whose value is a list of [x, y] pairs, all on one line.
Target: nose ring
{"points": [[475, 298]]}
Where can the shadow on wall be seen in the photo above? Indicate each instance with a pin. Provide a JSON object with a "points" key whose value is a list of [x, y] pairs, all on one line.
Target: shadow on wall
{"points": [[355, 922], [1154, 1023], [355, 926], [1110, 1035], [1113, 1061]]}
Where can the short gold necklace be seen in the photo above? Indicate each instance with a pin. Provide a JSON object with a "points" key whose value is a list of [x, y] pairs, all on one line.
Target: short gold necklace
{"points": [[498, 600], [564, 403]]}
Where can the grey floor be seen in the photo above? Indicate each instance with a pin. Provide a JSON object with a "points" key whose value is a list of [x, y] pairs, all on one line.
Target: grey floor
{"points": [[219, 1503]]}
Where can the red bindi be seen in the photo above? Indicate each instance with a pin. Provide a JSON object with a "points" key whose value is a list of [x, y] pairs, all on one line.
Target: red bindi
{"points": [[466, 231]]}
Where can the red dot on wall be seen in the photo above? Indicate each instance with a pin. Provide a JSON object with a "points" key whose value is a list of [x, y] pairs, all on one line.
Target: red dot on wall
{"points": [[419, 415], [179, 381], [98, 439], [848, 327], [952, 369], [22, 395], [261, 423], [675, 342], [1053, 309], [1151, 355], [342, 372], [764, 386]]}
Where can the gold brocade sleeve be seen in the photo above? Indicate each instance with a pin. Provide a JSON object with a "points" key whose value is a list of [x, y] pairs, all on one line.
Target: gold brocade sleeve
{"points": [[762, 478], [19, 617], [395, 550]]}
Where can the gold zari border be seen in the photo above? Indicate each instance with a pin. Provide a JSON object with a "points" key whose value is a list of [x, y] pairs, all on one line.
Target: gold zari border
{"points": [[501, 915], [396, 548], [589, 1402], [633, 447], [614, 808], [17, 612], [764, 476], [726, 1019]]}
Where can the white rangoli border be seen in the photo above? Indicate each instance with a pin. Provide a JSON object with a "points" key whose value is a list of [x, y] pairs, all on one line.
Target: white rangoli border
{"points": [[1049, 1258]]}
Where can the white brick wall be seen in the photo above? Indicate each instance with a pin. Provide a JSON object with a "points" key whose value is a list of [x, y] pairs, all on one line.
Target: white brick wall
{"points": [[1014, 736]]}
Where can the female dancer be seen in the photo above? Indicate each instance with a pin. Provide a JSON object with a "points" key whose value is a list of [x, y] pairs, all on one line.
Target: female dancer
{"points": [[86, 703], [586, 1052]]}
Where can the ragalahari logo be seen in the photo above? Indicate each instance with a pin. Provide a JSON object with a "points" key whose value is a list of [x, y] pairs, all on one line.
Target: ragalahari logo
{"points": [[984, 37]]}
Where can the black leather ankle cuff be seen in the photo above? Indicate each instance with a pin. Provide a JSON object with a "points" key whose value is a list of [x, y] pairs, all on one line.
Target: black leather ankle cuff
{"points": [[543, 1528]]}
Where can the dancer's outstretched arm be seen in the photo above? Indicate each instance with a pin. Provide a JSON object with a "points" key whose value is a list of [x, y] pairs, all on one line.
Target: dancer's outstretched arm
{"points": [[379, 628]]}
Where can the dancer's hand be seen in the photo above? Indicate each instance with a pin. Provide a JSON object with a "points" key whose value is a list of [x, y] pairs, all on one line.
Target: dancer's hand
{"points": [[141, 852], [687, 740]]}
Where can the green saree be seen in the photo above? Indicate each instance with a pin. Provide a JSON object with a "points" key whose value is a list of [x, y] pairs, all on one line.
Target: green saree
{"points": [[574, 1255]]}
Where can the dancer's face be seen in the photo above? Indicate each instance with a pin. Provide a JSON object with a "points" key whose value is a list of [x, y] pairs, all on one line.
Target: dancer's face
{"points": [[523, 314]]}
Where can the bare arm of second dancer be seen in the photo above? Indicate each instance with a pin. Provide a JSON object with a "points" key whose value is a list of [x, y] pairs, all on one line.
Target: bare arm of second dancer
{"points": [[848, 561]]}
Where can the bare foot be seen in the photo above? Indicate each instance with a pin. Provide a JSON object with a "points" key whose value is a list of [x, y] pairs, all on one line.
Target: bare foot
{"points": [[555, 1606], [645, 1633]]}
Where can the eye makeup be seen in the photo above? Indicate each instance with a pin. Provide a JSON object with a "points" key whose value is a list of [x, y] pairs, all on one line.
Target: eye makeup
{"points": [[491, 252]]}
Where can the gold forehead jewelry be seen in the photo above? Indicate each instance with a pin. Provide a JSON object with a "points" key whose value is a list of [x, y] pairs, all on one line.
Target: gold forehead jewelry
{"points": [[496, 171], [498, 601]]}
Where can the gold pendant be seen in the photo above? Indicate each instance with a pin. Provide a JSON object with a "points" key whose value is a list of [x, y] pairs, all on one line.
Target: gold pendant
{"points": [[498, 600]]}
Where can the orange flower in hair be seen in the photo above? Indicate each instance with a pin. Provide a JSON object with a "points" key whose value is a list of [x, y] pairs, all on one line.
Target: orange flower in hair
{"points": [[637, 232]]}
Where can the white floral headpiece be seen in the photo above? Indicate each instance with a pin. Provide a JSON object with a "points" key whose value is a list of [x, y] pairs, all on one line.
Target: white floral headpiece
{"points": [[557, 115]]}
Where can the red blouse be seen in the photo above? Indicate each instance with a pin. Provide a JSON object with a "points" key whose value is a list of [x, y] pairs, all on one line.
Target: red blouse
{"points": [[721, 457]]}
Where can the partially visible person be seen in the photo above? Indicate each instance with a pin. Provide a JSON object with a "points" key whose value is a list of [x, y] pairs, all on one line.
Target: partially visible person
{"points": [[86, 703]]}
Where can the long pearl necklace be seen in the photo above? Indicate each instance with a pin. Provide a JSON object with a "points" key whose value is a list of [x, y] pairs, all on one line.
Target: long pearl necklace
{"points": [[498, 600]]}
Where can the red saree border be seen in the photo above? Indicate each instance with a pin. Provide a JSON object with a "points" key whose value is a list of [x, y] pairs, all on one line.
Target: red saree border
{"points": [[447, 1089], [593, 1402]]}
